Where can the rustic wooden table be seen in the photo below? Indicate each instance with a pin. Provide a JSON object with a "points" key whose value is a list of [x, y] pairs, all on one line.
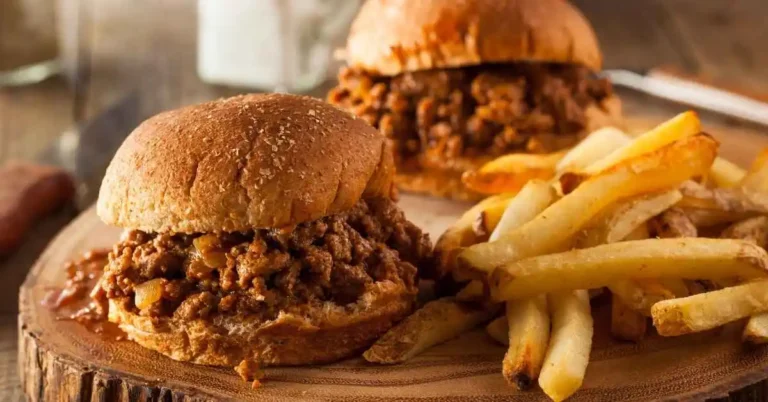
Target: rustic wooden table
{"points": [[148, 47]]}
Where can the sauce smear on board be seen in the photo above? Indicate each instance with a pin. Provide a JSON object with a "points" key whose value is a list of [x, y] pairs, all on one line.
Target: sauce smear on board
{"points": [[81, 298]]}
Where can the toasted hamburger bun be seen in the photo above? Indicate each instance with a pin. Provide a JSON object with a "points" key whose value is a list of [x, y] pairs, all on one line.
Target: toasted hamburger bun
{"points": [[254, 161], [314, 336], [390, 37]]}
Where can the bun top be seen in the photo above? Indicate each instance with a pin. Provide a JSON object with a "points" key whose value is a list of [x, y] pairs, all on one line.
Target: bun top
{"points": [[389, 37], [252, 161]]}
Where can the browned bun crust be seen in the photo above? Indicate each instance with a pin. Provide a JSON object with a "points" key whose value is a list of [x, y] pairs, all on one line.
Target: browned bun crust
{"points": [[389, 37], [252, 161], [447, 183], [310, 336]]}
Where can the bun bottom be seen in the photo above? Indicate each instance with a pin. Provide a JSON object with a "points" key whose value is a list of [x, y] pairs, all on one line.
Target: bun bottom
{"points": [[446, 182], [309, 335]]}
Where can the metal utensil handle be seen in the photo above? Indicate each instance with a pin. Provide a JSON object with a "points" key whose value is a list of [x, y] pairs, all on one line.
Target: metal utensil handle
{"points": [[695, 94]]}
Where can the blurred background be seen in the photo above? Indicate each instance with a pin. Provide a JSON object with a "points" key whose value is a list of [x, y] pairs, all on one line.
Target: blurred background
{"points": [[174, 52], [69, 67]]}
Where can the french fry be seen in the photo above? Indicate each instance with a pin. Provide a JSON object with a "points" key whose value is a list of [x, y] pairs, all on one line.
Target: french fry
{"points": [[618, 222], [705, 218], [462, 233], [754, 230], [756, 330], [554, 228], [570, 344], [674, 285], [472, 292], [509, 173], [436, 322], [757, 176], [672, 223], [697, 258], [528, 322], [529, 332], [626, 324], [709, 310], [596, 146], [498, 330], [681, 126], [696, 287], [534, 197], [735, 201], [640, 296], [725, 173]]}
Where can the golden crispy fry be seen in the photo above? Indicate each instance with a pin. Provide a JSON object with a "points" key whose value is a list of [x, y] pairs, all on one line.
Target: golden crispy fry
{"points": [[462, 234], [596, 146], [737, 201], [756, 330], [570, 345], [535, 197], [626, 324], [528, 322], [522, 161], [681, 126], [705, 218], [709, 310], [437, 322], [498, 330], [674, 285], [640, 233], [554, 228], [509, 173], [754, 229], [672, 223], [474, 291], [725, 173], [685, 258], [640, 296], [619, 221], [757, 176], [486, 222], [695, 287]]}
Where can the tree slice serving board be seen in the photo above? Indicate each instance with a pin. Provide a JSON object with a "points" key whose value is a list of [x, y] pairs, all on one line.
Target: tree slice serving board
{"points": [[61, 360]]}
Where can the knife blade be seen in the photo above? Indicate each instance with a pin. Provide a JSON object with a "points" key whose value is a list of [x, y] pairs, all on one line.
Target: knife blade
{"points": [[692, 93], [86, 150]]}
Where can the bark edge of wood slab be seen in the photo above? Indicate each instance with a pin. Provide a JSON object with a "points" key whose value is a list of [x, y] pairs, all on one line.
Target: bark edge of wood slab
{"points": [[60, 360]]}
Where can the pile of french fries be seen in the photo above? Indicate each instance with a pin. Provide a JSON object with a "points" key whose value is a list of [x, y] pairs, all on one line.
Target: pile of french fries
{"points": [[676, 234]]}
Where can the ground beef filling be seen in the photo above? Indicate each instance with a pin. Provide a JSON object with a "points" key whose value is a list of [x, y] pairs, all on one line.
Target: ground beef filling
{"points": [[263, 272], [485, 110]]}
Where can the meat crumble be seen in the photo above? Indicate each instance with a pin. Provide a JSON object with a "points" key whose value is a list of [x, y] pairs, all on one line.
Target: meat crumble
{"points": [[485, 110], [263, 272]]}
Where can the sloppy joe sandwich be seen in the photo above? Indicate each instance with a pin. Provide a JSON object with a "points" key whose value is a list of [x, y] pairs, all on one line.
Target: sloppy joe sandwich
{"points": [[454, 83], [258, 229]]}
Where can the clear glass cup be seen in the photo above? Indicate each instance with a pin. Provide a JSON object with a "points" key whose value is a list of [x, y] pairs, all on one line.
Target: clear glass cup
{"points": [[28, 41], [272, 45]]}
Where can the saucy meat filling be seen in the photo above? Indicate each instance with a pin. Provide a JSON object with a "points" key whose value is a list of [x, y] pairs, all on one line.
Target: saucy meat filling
{"points": [[485, 110], [263, 272]]}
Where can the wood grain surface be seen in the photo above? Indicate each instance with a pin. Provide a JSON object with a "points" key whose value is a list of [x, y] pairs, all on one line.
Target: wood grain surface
{"points": [[62, 360], [149, 47]]}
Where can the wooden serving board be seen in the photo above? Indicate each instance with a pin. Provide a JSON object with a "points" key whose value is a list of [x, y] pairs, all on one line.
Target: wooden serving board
{"points": [[60, 360]]}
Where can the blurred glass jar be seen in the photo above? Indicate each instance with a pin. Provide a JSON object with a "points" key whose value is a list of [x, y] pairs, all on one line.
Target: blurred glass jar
{"points": [[271, 45], [28, 41]]}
